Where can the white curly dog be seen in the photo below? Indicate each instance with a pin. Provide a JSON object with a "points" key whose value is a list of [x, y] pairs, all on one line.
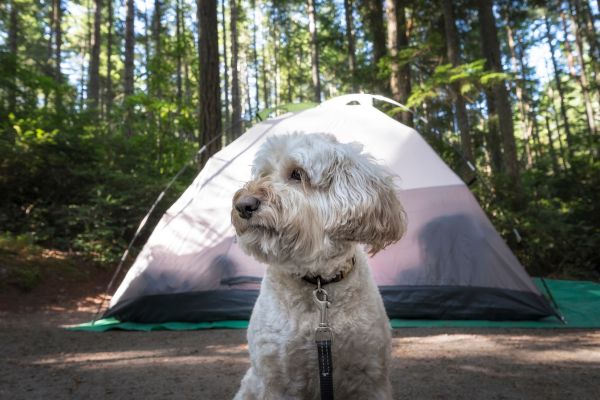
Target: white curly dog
{"points": [[309, 205]]}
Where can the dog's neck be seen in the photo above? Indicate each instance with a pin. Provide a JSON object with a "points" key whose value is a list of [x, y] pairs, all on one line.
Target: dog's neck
{"points": [[324, 280]]}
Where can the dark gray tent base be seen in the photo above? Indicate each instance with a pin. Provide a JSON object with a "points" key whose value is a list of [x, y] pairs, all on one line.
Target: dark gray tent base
{"points": [[403, 302]]}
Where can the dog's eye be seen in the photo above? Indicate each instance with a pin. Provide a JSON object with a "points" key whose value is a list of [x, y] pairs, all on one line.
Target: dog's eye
{"points": [[296, 175]]}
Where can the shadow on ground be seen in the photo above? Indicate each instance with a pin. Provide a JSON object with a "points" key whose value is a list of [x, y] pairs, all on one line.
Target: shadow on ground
{"points": [[39, 360]]}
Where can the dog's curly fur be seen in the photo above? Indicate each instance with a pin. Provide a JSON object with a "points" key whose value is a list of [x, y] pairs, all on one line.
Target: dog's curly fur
{"points": [[318, 200]]}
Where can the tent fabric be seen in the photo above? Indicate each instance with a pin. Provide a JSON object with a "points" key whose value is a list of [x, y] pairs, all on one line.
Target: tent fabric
{"points": [[578, 301], [451, 263]]}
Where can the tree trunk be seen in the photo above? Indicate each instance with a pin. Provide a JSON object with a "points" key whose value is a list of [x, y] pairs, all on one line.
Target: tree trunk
{"points": [[582, 78], [129, 64], [47, 68], [57, 52], [236, 102], [179, 72], [255, 57], [157, 78], [209, 92], [247, 90], [225, 69], [265, 77], [372, 11], [453, 54], [396, 41], [314, 51], [523, 108], [109, 45], [277, 80], [551, 150], [559, 88], [567, 47], [147, 45], [491, 51], [94, 74], [584, 16], [13, 48], [348, 7]]}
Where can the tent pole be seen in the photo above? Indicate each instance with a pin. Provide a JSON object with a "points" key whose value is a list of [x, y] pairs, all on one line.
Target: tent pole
{"points": [[142, 224]]}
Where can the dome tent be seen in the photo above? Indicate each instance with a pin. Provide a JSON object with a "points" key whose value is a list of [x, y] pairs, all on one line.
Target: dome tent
{"points": [[451, 264]]}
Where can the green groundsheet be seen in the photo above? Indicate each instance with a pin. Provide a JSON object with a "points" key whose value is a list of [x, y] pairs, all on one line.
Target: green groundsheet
{"points": [[578, 302]]}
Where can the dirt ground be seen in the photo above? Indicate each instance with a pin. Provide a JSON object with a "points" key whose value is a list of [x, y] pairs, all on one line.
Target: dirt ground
{"points": [[41, 360]]}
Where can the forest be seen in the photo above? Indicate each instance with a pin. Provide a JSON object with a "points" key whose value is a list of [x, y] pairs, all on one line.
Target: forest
{"points": [[103, 102]]}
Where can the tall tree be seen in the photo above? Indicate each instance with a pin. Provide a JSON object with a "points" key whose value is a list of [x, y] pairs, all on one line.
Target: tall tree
{"points": [[179, 56], [13, 48], [582, 77], [396, 42], [491, 50], [94, 74], [157, 60], [314, 51], [225, 66], [372, 11], [58, 12], [348, 13], [236, 102], [255, 56], [109, 64], [209, 92], [453, 54], [129, 64], [558, 83]]}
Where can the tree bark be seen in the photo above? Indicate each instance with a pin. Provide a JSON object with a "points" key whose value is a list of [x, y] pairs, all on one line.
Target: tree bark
{"points": [[453, 54], [314, 51], [179, 72], [255, 57], [147, 54], [582, 78], [57, 52], [491, 51], [129, 64], [156, 64], [559, 88], [208, 88], [236, 102], [551, 150], [225, 69], [94, 74], [348, 8], [372, 11], [523, 107], [109, 45], [397, 41], [13, 47], [265, 77]]}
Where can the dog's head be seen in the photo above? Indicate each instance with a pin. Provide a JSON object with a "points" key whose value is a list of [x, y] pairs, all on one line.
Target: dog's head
{"points": [[311, 198]]}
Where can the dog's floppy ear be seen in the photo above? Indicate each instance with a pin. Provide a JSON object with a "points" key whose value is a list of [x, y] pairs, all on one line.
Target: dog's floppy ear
{"points": [[366, 197]]}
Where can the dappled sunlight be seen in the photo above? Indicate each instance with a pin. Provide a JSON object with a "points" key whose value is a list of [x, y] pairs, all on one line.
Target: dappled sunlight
{"points": [[518, 348], [144, 358]]}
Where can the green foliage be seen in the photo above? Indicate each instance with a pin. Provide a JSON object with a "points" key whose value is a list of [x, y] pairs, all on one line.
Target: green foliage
{"points": [[471, 79], [82, 187]]}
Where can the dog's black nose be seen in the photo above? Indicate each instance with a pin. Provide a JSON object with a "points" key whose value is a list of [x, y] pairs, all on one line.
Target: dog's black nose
{"points": [[246, 205]]}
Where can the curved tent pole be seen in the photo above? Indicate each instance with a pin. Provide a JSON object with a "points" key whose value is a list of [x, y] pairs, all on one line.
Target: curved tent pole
{"points": [[144, 220]]}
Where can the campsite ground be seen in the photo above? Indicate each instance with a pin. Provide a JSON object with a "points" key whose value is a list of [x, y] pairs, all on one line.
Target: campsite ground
{"points": [[41, 360]]}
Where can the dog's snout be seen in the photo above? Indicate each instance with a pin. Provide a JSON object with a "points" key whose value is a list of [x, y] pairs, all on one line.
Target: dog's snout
{"points": [[246, 205]]}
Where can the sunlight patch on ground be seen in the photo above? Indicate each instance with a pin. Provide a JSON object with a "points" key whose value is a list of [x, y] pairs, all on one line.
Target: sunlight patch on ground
{"points": [[131, 359]]}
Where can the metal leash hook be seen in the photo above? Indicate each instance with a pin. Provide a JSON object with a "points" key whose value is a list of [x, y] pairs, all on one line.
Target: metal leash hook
{"points": [[323, 331]]}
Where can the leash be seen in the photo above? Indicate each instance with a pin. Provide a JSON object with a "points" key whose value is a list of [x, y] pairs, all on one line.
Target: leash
{"points": [[323, 339]]}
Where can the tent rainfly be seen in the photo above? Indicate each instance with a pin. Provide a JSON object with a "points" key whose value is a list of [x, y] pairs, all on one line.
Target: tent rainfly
{"points": [[451, 264]]}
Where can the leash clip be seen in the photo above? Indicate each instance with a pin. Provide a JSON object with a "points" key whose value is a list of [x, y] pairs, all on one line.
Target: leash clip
{"points": [[323, 331]]}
